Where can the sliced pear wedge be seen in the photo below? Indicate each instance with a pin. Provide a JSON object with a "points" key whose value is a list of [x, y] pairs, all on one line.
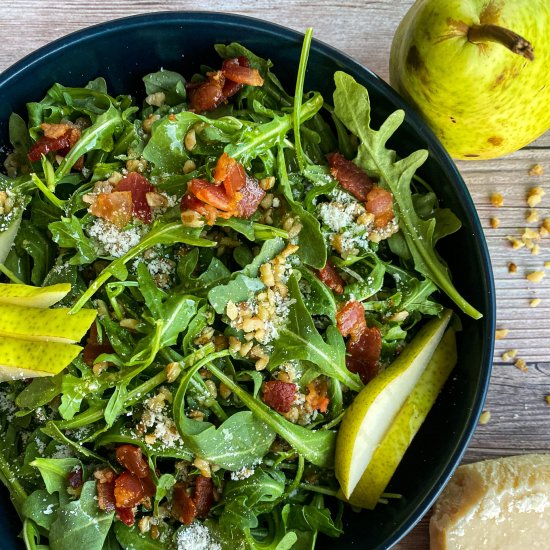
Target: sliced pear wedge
{"points": [[374, 409], [389, 453], [33, 296], [50, 325], [27, 359]]}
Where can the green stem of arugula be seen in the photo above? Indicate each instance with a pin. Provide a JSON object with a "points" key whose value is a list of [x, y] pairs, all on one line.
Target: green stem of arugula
{"points": [[298, 477], [10, 275], [319, 489], [298, 97], [8, 478], [58, 203]]}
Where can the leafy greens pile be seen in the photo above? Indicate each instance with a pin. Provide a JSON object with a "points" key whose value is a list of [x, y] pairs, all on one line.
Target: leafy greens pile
{"points": [[172, 356]]}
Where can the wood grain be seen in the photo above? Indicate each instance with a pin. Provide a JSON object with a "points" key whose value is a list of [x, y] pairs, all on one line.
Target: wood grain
{"points": [[520, 418]]}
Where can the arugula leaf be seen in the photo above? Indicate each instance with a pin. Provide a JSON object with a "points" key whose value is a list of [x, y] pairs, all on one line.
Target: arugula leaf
{"points": [[238, 442], [318, 299], [33, 242], [41, 506], [80, 523], [39, 392], [168, 233], [130, 537], [170, 83], [352, 106], [299, 339], [317, 446], [54, 472], [68, 233]]}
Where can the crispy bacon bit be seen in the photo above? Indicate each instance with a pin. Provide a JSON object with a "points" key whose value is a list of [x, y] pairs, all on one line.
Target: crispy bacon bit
{"points": [[58, 138], [350, 320], [207, 95], [278, 395], [105, 486], [331, 278], [380, 203], [183, 506], [211, 194], [115, 207], [251, 197], [233, 194], [93, 349], [220, 85], [75, 478], [350, 176], [126, 515], [317, 394], [237, 69], [138, 186], [131, 458], [231, 173], [203, 496], [363, 353], [128, 490]]}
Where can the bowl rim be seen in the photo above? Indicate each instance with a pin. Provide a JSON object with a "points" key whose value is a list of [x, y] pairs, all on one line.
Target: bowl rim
{"points": [[435, 148]]}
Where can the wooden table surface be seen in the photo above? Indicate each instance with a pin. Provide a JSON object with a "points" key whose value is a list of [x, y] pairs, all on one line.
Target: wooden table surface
{"points": [[520, 417]]}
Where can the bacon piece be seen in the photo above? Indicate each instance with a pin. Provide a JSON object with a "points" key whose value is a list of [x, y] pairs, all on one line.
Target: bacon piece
{"points": [[237, 69], [149, 487], [251, 197], [128, 490], [211, 194], [203, 496], [207, 95], [278, 395], [139, 186], [380, 203], [231, 173], [350, 176], [350, 319], [183, 506], [317, 394], [131, 458], [331, 278], [93, 349], [58, 138], [115, 207], [75, 478], [126, 515], [105, 487], [363, 353]]}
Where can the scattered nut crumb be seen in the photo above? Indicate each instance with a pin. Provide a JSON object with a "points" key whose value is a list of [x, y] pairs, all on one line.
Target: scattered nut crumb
{"points": [[485, 417], [535, 250], [532, 216], [534, 196], [529, 233], [512, 267], [534, 302], [546, 265], [521, 365], [509, 354], [496, 199], [547, 398], [501, 333], [495, 222], [536, 170], [516, 243], [535, 276]]}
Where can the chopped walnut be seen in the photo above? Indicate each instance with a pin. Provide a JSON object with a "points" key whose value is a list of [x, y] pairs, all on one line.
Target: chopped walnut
{"points": [[521, 365], [501, 333], [509, 354], [496, 199], [535, 276], [485, 417], [494, 222], [512, 267], [536, 170], [534, 302]]}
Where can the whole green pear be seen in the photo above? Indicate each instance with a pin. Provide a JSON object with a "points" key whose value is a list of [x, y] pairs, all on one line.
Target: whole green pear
{"points": [[478, 71]]}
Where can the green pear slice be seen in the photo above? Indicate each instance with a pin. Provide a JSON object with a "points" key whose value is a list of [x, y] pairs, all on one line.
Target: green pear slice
{"points": [[51, 325], [389, 453], [374, 409], [7, 237], [33, 296], [27, 359]]}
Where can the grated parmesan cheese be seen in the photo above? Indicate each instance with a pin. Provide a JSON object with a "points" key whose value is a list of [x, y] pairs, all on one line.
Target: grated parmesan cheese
{"points": [[196, 537], [116, 242]]}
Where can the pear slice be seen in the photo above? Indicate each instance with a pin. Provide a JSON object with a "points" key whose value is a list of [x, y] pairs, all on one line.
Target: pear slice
{"points": [[26, 359], [33, 296], [7, 237], [51, 325], [373, 410], [389, 453]]}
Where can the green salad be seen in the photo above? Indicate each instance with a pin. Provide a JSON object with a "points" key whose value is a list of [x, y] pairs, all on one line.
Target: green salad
{"points": [[255, 258]]}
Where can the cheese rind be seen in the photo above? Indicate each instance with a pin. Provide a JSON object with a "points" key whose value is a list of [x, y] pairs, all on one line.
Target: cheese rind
{"points": [[501, 504]]}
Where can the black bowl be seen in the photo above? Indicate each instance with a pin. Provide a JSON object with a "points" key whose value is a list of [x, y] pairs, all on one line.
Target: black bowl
{"points": [[126, 49]]}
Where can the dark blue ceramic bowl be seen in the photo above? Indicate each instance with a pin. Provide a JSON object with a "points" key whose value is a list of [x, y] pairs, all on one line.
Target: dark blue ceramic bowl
{"points": [[124, 50]]}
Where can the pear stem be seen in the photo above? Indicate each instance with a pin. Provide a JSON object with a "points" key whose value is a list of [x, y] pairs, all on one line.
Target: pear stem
{"points": [[511, 40]]}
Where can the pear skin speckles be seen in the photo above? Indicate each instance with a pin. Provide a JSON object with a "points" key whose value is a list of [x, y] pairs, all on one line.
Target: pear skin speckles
{"points": [[32, 296]]}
